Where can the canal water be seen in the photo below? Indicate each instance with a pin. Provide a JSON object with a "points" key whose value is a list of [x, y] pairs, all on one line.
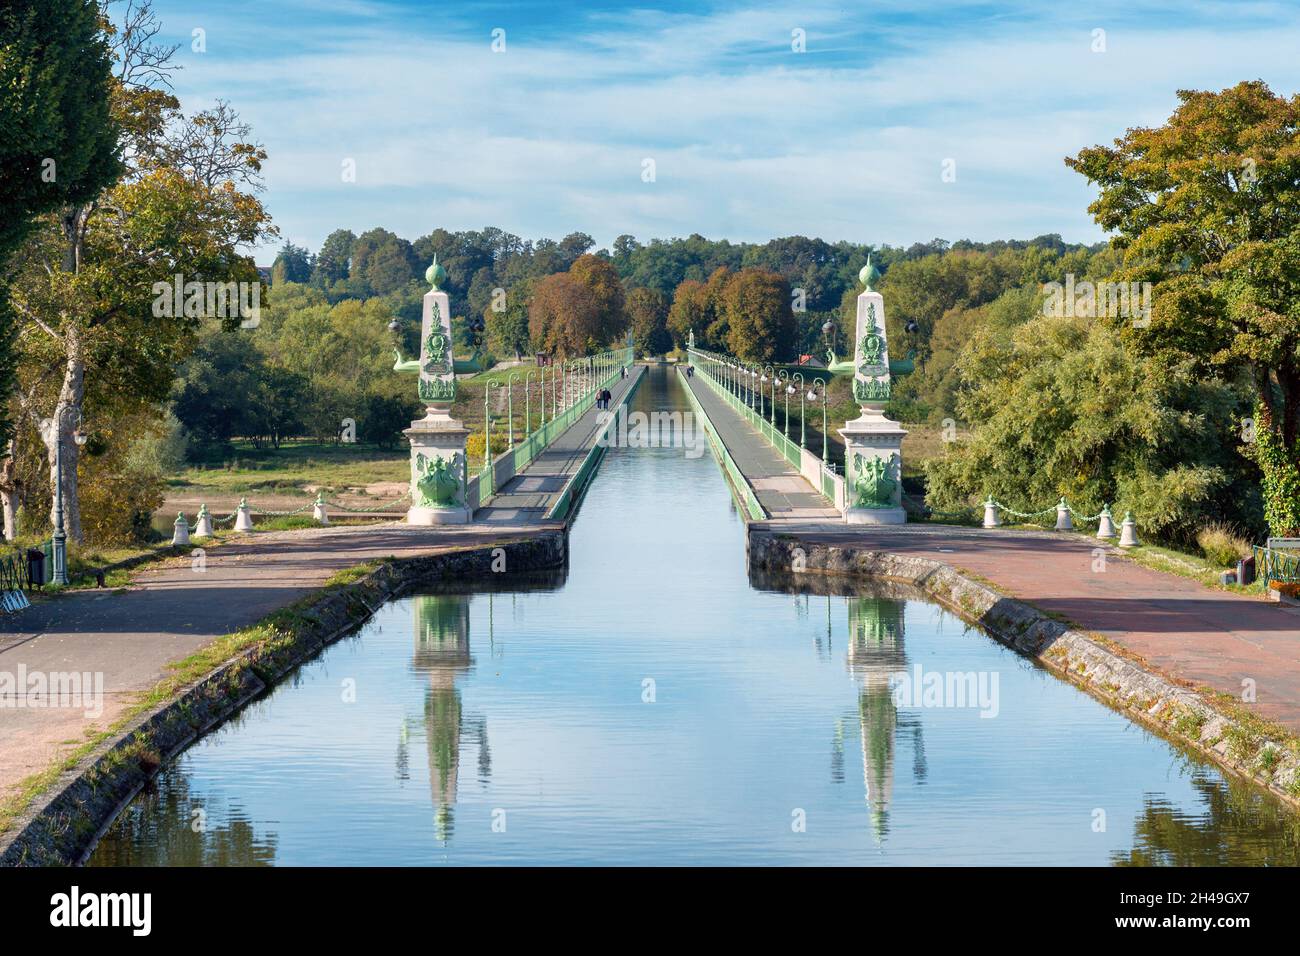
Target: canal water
{"points": [[655, 706]]}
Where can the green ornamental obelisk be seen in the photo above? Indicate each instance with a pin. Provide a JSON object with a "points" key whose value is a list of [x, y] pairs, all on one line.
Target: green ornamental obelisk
{"points": [[873, 458], [437, 440]]}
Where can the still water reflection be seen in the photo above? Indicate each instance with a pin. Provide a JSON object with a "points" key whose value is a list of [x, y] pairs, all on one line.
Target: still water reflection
{"points": [[656, 706]]}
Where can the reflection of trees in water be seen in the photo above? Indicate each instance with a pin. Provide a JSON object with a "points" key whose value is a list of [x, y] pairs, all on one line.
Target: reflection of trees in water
{"points": [[157, 829], [1236, 825]]}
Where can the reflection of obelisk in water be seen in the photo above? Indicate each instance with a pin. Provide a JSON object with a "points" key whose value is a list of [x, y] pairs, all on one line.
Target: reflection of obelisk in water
{"points": [[442, 653], [876, 653]]}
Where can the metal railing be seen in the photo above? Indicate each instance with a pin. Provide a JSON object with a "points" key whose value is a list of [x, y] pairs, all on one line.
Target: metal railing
{"points": [[1274, 565]]}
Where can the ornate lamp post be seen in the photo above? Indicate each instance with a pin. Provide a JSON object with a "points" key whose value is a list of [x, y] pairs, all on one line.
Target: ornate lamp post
{"points": [[812, 397], [487, 421], [528, 407], [789, 391], [59, 539], [772, 410], [510, 408]]}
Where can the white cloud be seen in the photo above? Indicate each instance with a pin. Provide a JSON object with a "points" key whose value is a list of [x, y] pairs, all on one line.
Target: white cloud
{"points": [[750, 140]]}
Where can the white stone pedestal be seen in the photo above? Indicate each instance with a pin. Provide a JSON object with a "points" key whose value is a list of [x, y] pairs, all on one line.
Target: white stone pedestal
{"points": [[867, 440], [433, 439], [437, 440]]}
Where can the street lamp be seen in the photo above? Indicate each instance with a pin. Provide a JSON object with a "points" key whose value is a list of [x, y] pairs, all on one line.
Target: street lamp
{"points": [[59, 539], [487, 421], [528, 406], [772, 415], [510, 409], [789, 388], [812, 397]]}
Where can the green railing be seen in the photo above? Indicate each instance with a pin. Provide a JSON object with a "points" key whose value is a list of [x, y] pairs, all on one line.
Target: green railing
{"points": [[788, 449], [1273, 565], [745, 496], [573, 488], [481, 487]]}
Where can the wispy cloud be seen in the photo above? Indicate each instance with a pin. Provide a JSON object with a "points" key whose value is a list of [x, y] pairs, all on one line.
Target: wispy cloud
{"points": [[749, 138]]}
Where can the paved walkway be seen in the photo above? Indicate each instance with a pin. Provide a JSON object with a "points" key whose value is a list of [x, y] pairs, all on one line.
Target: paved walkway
{"points": [[170, 612], [528, 496], [781, 489], [1188, 631]]}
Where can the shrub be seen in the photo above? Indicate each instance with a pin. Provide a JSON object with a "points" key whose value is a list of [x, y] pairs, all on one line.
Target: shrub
{"points": [[1221, 545]]}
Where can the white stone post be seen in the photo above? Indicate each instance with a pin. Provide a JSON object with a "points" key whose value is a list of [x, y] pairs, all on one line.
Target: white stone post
{"points": [[180, 529], [318, 508], [1063, 522], [203, 526], [991, 518], [1106, 526], [873, 459], [438, 472], [244, 516], [1128, 532]]}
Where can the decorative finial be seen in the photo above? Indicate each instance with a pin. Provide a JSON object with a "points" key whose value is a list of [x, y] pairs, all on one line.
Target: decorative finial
{"points": [[435, 275], [869, 274]]}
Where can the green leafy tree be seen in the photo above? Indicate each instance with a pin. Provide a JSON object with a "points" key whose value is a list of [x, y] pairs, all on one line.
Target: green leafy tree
{"points": [[506, 321], [98, 340], [331, 264], [1206, 207], [58, 150], [647, 310], [293, 264], [1062, 406]]}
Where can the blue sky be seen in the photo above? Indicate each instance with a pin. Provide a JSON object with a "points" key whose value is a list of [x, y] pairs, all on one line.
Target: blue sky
{"points": [[750, 140]]}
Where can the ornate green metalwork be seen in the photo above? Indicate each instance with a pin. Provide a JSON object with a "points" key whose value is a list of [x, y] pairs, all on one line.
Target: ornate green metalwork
{"points": [[438, 359], [872, 344], [871, 390], [872, 484], [868, 275], [435, 274], [438, 481], [437, 390]]}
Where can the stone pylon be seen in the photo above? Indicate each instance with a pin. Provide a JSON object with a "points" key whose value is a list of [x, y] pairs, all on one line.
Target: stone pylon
{"points": [[873, 444], [438, 472]]}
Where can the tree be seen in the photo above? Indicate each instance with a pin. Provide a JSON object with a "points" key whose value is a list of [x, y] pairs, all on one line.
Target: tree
{"points": [[563, 317], [382, 261], [760, 325], [688, 313], [1062, 406], [331, 263], [648, 311], [293, 264], [1206, 208], [507, 325], [84, 286], [59, 148], [602, 281]]}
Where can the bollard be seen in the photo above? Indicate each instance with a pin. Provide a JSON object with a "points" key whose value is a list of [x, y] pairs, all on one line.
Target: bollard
{"points": [[244, 517], [180, 530], [1128, 532], [1106, 526], [318, 509], [203, 524], [1063, 522], [991, 519]]}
